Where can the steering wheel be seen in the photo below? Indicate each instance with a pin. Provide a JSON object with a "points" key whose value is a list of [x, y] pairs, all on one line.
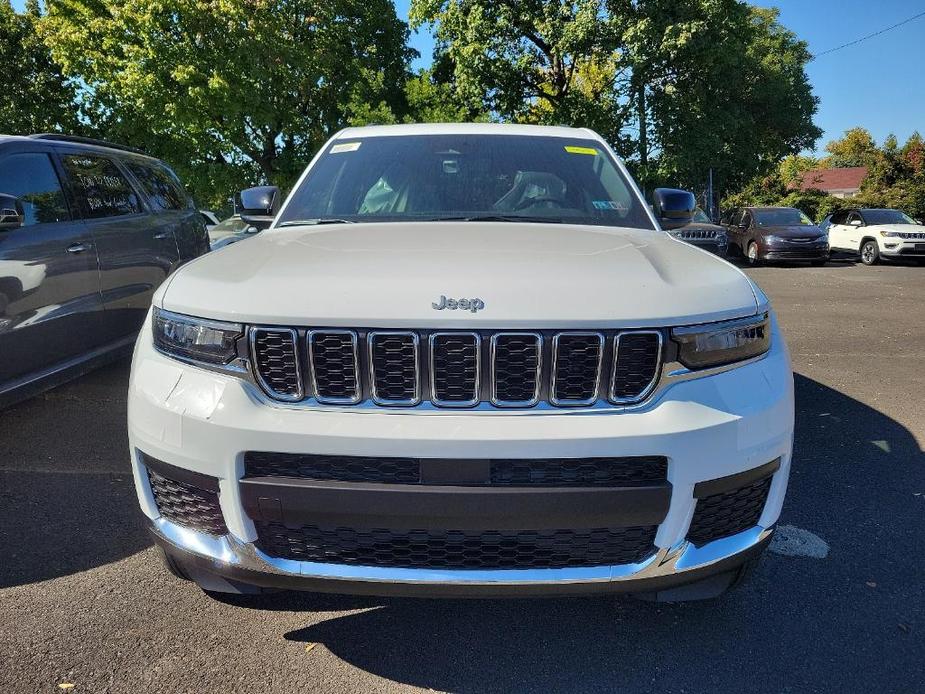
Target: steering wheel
{"points": [[529, 202]]}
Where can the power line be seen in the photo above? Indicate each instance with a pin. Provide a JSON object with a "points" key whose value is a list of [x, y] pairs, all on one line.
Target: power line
{"points": [[869, 36]]}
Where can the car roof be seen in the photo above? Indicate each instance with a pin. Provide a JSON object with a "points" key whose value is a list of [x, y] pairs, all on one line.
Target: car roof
{"points": [[762, 208], [55, 140], [468, 129]]}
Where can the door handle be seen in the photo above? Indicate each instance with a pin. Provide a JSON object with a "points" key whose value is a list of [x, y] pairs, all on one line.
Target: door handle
{"points": [[78, 248], [162, 236]]}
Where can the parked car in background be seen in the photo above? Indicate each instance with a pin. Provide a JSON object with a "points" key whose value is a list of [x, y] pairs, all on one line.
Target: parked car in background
{"points": [[230, 231], [875, 234], [88, 231], [775, 234], [703, 233], [209, 219], [464, 359]]}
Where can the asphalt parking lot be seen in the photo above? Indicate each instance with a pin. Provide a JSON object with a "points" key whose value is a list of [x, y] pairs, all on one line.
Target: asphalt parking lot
{"points": [[84, 601]]}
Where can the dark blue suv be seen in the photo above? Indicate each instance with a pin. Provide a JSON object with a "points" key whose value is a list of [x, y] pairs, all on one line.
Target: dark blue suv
{"points": [[88, 230]]}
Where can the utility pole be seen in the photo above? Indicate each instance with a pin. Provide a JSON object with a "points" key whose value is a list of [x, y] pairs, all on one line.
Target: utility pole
{"points": [[710, 207]]}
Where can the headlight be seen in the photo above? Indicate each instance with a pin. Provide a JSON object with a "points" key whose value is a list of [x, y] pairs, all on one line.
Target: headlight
{"points": [[715, 344], [185, 337], [894, 234]]}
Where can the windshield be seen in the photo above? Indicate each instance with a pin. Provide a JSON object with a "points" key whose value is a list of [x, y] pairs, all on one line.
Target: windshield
{"points": [[494, 177], [780, 217], [701, 217], [233, 224], [886, 217]]}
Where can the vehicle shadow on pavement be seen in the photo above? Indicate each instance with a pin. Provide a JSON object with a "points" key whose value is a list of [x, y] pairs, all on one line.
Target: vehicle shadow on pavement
{"points": [[854, 480], [67, 499]]}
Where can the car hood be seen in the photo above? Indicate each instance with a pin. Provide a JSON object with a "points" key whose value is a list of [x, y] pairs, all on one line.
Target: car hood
{"points": [[797, 231], [526, 275], [902, 228]]}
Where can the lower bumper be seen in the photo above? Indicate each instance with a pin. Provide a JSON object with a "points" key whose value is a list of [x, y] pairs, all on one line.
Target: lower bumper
{"points": [[802, 254], [222, 562]]}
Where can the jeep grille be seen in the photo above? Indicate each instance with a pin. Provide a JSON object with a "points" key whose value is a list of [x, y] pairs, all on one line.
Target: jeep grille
{"points": [[493, 370]]}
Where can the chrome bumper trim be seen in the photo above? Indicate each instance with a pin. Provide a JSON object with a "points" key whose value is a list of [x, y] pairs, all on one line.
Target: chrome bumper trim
{"points": [[229, 551]]}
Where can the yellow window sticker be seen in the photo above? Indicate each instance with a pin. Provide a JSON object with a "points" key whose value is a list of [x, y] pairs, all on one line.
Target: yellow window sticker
{"points": [[345, 147], [571, 149]]}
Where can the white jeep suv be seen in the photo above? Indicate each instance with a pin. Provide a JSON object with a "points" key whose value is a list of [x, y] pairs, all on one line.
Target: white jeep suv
{"points": [[874, 234], [464, 360]]}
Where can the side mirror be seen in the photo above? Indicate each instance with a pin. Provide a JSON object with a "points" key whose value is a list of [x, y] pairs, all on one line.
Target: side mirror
{"points": [[855, 223], [11, 212], [258, 206], [673, 208]]}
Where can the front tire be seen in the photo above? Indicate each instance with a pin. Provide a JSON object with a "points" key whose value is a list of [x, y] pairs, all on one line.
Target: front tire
{"points": [[870, 253], [752, 255]]}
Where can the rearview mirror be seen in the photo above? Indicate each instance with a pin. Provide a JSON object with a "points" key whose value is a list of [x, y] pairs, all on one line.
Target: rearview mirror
{"points": [[673, 207], [11, 212], [259, 205]]}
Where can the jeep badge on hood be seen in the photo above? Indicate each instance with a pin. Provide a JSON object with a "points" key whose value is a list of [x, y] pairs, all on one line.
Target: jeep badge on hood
{"points": [[453, 304]]}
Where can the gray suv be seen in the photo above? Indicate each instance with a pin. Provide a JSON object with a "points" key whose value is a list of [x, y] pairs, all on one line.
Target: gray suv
{"points": [[88, 231]]}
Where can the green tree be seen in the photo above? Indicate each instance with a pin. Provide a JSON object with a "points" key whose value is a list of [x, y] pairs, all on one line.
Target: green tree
{"points": [[678, 86], [793, 166], [230, 92], [530, 61], [856, 148], [36, 96]]}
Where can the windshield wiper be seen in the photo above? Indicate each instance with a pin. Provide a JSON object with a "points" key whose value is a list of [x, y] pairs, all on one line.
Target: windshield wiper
{"points": [[495, 218], [312, 222]]}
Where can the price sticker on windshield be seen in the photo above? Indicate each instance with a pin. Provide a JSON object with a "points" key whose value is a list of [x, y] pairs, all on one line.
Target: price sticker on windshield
{"points": [[345, 147], [571, 149]]}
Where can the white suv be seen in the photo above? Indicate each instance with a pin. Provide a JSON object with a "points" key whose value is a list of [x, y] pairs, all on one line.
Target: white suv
{"points": [[874, 234], [464, 360]]}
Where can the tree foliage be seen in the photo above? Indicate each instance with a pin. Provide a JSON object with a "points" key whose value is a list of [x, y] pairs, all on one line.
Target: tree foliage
{"points": [[895, 178], [678, 86], [223, 86], [855, 148], [36, 95]]}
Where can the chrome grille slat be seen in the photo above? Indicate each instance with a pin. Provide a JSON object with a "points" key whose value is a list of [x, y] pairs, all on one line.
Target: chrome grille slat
{"points": [[576, 368], [636, 362], [516, 369], [276, 355], [394, 368], [335, 369], [455, 366]]}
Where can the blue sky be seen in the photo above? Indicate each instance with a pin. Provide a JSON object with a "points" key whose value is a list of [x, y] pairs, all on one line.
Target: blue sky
{"points": [[878, 84]]}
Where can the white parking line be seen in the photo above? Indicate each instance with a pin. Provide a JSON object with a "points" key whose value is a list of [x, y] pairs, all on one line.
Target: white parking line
{"points": [[791, 541]]}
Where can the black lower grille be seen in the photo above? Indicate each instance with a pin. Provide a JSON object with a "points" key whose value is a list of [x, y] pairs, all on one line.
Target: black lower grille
{"points": [[580, 472], [635, 471], [457, 549], [340, 468], [728, 513], [187, 505]]}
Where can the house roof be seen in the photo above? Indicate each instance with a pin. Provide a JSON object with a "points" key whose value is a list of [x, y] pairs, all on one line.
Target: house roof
{"points": [[833, 179]]}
